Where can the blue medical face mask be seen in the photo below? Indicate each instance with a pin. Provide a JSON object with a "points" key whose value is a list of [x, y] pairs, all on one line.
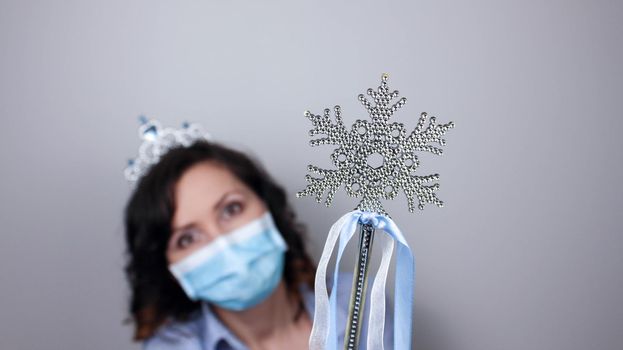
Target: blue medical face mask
{"points": [[238, 269]]}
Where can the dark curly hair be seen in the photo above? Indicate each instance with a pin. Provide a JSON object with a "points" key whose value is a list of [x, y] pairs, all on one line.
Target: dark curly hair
{"points": [[155, 294]]}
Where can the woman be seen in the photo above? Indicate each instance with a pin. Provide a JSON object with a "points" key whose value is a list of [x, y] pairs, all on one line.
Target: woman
{"points": [[217, 259]]}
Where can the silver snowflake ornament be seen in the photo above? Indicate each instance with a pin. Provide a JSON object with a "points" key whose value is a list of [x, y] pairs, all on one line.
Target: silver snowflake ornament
{"points": [[375, 158]]}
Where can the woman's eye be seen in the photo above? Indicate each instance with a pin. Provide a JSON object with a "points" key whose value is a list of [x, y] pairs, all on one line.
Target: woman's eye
{"points": [[232, 209], [186, 239]]}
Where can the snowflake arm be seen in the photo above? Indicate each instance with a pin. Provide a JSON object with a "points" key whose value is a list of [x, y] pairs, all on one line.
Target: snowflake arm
{"points": [[329, 180], [335, 132], [420, 138], [414, 188], [381, 109]]}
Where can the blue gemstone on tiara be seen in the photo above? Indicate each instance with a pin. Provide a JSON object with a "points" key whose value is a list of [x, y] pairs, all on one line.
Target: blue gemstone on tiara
{"points": [[150, 133]]}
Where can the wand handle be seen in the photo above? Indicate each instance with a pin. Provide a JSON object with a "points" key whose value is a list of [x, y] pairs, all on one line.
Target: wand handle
{"points": [[358, 291]]}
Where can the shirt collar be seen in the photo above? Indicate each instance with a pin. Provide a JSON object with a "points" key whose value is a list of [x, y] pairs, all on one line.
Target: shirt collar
{"points": [[215, 331]]}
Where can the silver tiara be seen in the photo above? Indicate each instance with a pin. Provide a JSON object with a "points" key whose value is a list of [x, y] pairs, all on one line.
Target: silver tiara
{"points": [[157, 141]]}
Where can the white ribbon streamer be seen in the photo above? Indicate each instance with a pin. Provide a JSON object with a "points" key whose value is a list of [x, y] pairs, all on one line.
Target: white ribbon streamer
{"points": [[320, 328]]}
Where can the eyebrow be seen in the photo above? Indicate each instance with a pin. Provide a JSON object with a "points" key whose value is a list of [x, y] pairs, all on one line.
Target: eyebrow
{"points": [[218, 204]]}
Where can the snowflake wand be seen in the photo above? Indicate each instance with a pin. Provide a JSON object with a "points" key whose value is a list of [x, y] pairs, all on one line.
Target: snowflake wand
{"points": [[373, 161]]}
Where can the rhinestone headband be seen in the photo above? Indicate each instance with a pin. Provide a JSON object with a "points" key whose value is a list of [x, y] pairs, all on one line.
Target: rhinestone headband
{"points": [[157, 141]]}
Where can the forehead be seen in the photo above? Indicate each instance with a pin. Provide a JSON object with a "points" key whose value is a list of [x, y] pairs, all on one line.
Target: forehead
{"points": [[200, 188]]}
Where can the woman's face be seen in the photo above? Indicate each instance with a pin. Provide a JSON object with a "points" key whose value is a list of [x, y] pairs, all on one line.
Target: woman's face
{"points": [[210, 201]]}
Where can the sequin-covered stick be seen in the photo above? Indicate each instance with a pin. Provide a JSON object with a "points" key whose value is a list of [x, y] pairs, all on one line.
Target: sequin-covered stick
{"points": [[373, 160]]}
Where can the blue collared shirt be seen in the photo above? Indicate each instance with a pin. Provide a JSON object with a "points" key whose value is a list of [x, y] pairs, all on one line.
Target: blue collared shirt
{"points": [[205, 331]]}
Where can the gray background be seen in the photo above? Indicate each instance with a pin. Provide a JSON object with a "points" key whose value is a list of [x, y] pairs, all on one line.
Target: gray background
{"points": [[526, 253]]}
